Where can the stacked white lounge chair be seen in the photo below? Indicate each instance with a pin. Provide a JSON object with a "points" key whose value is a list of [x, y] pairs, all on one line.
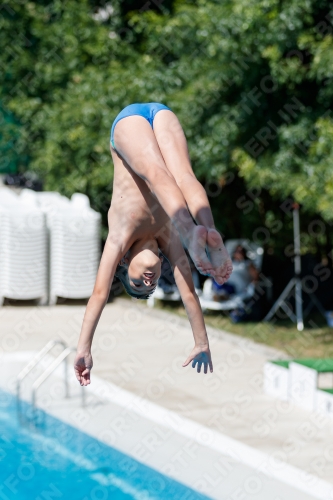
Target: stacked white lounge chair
{"points": [[74, 249], [49, 246], [74, 229], [23, 249]]}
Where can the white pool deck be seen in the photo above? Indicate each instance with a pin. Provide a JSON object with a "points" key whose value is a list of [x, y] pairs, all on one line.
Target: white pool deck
{"points": [[217, 433]]}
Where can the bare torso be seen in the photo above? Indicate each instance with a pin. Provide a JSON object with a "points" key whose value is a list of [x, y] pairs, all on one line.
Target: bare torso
{"points": [[134, 212]]}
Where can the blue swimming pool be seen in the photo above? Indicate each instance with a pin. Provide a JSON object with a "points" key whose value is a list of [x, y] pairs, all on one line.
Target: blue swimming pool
{"points": [[53, 460]]}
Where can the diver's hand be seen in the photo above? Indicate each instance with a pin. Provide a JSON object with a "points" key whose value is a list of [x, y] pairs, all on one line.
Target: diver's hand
{"points": [[199, 356], [82, 365]]}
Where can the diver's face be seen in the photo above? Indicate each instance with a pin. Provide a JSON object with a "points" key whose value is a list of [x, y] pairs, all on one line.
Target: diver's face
{"points": [[144, 271]]}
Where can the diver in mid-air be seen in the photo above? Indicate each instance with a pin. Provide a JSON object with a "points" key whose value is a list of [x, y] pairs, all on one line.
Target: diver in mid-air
{"points": [[158, 207]]}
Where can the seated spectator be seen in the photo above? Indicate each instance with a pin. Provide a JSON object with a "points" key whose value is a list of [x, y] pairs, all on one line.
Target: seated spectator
{"points": [[245, 278], [244, 271], [242, 281]]}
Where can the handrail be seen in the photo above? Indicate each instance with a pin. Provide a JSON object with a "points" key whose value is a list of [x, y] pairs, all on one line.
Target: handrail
{"points": [[34, 362], [62, 356]]}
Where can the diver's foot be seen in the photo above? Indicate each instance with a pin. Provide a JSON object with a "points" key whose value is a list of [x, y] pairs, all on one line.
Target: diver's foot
{"points": [[219, 257], [196, 246]]}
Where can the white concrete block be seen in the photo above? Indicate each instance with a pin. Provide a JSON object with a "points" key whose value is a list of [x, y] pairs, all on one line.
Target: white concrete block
{"points": [[276, 379], [324, 401], [303, 385]]}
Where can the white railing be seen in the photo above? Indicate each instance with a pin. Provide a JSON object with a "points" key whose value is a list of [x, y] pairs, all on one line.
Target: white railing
{"points": [[62, 357]]}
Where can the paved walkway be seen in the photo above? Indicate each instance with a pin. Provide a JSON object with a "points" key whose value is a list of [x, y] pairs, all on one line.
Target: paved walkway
{"points": [[142, 350]]}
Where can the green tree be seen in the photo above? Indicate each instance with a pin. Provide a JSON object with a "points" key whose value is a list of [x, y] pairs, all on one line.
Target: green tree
{"points": [[250, 81], [255, 91]]}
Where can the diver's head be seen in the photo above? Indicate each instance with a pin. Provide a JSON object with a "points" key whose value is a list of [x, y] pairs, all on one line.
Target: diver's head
{"points": [[143, 265]]}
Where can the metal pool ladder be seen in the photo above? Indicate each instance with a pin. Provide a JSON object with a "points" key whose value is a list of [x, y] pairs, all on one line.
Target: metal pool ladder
{"points": [[62, 357]]}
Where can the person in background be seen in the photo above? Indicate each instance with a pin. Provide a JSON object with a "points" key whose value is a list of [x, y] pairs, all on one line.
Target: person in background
{"points": [[244, 271], [242, 281], [245, 280]]}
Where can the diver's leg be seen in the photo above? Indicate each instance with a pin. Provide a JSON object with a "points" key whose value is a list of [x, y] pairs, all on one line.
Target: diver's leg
{"points": [[136, 143], [172, 143]]}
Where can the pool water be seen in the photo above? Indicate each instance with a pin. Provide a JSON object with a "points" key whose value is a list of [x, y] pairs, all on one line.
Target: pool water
{"points": [[50, 460]]}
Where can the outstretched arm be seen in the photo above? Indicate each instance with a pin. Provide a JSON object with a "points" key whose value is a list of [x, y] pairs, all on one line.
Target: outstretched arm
{"points": [[174, 252], [109, 261]]}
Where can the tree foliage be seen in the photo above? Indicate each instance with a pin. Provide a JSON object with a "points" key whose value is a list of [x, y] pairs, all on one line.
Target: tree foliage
{"points": [[251, 82]]}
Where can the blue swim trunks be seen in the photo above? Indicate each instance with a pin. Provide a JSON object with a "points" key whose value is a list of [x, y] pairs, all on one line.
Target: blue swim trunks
{"points": [[146, 110]]}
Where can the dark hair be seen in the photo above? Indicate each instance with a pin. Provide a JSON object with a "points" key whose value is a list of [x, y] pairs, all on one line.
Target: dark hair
{"points": [[240, 249], [122, 275]]}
